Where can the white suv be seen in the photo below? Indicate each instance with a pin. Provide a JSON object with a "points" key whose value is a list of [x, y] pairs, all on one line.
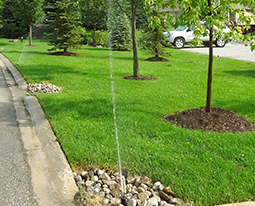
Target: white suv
{"points": [[183, 35]]}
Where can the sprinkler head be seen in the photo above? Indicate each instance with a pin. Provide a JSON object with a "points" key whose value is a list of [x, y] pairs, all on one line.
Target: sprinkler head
{"points": [[18, 64], [124, 200]]}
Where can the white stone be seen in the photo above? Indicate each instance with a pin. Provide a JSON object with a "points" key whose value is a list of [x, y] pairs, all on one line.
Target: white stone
{"points": [[131, 202], [153, 201]]}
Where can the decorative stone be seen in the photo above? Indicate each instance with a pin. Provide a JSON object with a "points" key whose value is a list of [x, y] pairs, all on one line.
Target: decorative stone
{"points": [[109, 190], [101, 194], [106, 201], [164, 196], [42, 88], [94, 178], [115, 201], [168, 191], [96, 190], [144, 186], [106, 190], [140, 189], [84, 175], [109, 182], [91, 174], [130, 180], [153, 201], [145, 203], [89, 183], [131, 202], [116, 193], [80, 183], [104, 176], [125, 173], [146, 181], [158, 186], [143, 196], [176, 201], [100, 172], [78, 178]]}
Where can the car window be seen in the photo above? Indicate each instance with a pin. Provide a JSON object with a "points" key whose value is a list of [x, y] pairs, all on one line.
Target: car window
{"points": [[181, 28]]}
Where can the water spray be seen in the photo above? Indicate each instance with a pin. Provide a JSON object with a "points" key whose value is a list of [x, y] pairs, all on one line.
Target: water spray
{"points": [[22, 51]]}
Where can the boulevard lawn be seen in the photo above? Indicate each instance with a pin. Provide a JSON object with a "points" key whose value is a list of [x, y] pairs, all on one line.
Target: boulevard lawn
{"points": [[205, 168]]}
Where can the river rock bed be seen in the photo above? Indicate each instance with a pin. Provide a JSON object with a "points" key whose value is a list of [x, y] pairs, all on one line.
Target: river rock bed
{"points": [[42, 87], [103, 188]]}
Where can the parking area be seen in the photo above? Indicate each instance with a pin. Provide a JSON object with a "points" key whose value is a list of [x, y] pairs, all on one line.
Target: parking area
{"points": [[232, 50]]}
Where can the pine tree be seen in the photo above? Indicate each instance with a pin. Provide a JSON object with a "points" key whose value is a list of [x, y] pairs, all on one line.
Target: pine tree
{"points": [[120, 30], [66, 26]]}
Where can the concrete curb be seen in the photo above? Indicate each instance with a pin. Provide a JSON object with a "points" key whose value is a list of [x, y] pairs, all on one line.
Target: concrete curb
{"points": [[52, 178]]}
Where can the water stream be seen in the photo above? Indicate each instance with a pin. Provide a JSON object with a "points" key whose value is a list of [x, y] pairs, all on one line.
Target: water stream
{"points": [[23, 51], [109, 16]]}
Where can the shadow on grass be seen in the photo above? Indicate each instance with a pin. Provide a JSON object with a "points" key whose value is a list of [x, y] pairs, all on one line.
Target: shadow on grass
{"points": [[245, 73], [46, 72], [93, 108], [241, 107]]}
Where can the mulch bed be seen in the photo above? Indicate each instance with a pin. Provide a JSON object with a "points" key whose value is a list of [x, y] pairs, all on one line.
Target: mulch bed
{"points": [[219, 120], [157, 59], [139, 78], [65, 54]]}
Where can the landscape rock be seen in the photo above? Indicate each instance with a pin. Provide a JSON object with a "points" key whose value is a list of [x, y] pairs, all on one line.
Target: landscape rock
{"points": [[42, 87], [106, 190]]}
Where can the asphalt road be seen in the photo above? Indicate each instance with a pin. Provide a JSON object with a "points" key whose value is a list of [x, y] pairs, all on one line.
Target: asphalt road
{"points": [[16, 188], [231, 50]]}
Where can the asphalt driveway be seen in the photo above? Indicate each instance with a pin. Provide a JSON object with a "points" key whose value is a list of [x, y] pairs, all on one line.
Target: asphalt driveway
{"points": [[232, 50]]}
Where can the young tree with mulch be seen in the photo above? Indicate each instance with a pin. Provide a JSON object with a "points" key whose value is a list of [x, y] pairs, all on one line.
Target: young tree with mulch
{"points": [[66, 26], [153, 38], [213, 13]]}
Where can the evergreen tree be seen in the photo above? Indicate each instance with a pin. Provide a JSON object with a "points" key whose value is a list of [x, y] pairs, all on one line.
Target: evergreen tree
{"points": [[120, 31], [66, 26], [49, 9]]}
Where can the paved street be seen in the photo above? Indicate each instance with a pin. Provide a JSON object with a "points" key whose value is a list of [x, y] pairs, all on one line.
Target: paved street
{"points": [[16, 188], [231, 50]]}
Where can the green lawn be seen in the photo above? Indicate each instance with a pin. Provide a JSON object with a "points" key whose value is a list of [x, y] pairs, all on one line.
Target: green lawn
{"points": [[206, 168]]}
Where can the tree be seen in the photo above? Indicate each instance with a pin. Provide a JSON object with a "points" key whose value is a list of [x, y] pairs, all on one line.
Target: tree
{"points": [[18, 16], [213, 13], [66, 26], [93, 14], [153, 38], [49, 9], [119, 28], [130, 11]]}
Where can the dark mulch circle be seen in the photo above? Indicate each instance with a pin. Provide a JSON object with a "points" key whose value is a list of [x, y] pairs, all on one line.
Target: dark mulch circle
{"points": [[65, 54], [219, 120], [139, 78], [157, 59]]}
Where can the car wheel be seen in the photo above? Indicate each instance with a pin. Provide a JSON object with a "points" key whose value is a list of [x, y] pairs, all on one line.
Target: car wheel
{"points": [[179, 42], [220, 43]]}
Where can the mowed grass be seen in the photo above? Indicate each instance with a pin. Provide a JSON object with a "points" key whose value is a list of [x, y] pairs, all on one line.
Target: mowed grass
{"points": [[205, 168]]}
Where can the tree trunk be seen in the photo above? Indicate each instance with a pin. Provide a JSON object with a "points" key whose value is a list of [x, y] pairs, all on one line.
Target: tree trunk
{"points": [[155, 43], [135, 47], [210, 66], [30, 35]]}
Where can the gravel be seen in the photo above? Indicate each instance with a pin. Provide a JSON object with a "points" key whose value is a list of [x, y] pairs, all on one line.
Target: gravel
{"points": [[104, 188]]}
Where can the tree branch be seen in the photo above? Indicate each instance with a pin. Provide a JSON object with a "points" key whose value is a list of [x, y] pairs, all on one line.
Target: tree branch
{"points": [[117, 2]]}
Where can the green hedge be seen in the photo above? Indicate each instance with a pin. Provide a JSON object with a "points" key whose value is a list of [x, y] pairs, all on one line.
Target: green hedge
{"points": [[97, 38]]}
